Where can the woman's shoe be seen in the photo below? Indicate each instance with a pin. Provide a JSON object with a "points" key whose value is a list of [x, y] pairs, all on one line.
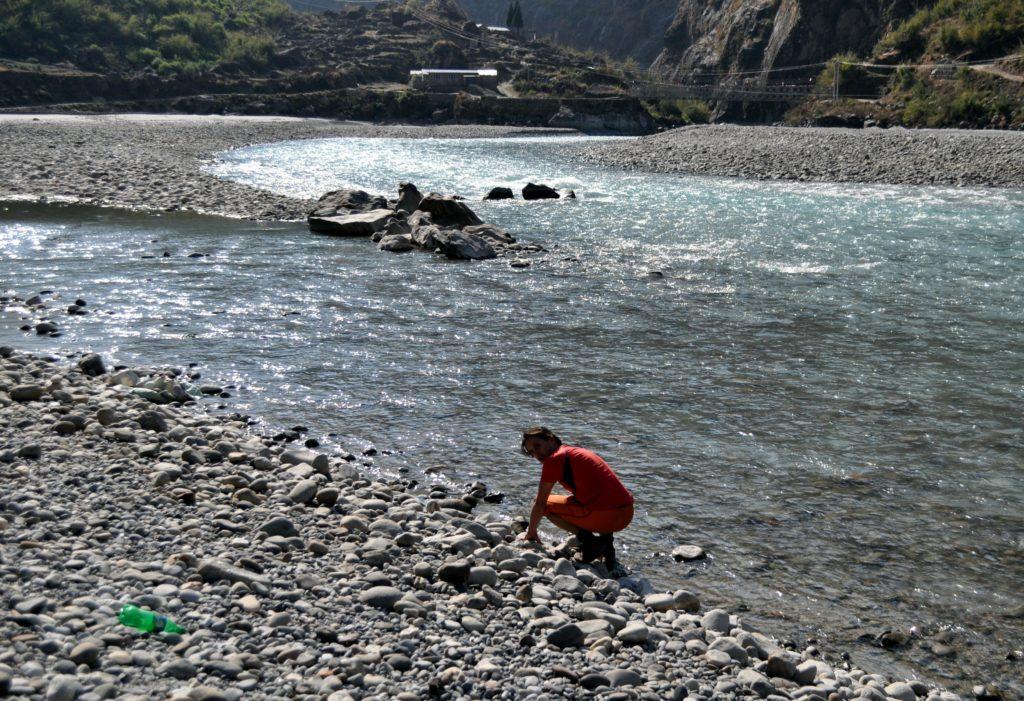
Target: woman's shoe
{"points": [[606, 549], [589, 547]]}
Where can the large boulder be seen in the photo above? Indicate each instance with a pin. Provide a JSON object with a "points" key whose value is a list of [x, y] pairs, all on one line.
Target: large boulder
{"points": [[397, 243], [347, 202], [448, 212], [409, 197], [539, 192], [361, 224], [460, 246], [500, 193], [420, 218], [427, 236]]}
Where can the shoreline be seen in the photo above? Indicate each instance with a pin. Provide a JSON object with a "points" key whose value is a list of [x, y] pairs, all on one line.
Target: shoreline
{"points": [[896, 156], [294, 574], [148, 162], [153, 162]]}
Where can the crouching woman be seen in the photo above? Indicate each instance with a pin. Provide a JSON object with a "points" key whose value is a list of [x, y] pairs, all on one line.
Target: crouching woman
{"points": [[597, 506]]}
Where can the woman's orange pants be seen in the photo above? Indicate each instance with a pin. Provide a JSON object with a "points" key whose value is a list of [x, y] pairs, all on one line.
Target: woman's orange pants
{"points": [[594, 520]]}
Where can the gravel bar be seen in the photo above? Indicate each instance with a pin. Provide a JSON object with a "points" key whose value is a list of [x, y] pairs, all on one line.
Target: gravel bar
{"points": [[153, 162], [814, 154], [297, 577]]}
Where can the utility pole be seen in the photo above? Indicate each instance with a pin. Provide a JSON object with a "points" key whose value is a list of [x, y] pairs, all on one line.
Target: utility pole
{"points": [[835, 81]]}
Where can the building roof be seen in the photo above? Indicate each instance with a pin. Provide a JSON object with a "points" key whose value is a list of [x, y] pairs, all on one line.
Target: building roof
{"points": [[456, 71]]}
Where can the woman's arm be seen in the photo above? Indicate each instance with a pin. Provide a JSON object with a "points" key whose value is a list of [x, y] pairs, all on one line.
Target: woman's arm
{"points": [[543, 490]]}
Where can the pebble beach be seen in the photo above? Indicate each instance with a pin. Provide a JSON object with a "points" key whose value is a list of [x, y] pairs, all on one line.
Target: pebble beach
{"points": [[296, 577], [898, 156]]}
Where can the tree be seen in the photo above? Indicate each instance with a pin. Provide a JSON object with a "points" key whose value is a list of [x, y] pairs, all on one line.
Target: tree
{"points": [[514, 17], [445, 54]]}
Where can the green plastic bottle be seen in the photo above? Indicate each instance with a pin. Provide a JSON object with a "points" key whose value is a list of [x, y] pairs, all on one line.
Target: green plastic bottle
{"points": [[134, 617]]}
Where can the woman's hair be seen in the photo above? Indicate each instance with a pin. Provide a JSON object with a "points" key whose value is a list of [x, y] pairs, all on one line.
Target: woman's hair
{"points": [[538, 432]]}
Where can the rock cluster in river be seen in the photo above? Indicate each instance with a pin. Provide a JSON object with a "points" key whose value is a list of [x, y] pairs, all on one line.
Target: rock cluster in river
{"points": [[434, 223], [297, 577]]}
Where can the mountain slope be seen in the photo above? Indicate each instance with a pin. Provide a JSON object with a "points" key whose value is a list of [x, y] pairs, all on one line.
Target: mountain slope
{"points": [[620, 28]]}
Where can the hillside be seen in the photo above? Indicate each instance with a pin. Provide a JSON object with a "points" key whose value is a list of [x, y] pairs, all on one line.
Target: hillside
{"points": [[971, 84], [202, 56], [620, 28], [136, 34]]}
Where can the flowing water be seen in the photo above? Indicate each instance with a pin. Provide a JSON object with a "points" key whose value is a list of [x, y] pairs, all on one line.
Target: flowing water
{"points": [[820, 384]]}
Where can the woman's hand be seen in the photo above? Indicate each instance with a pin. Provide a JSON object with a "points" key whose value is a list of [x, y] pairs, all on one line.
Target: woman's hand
{"points": [[530, 537]]}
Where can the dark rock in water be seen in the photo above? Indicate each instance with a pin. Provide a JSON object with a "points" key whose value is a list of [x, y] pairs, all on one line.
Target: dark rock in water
{"points": [[92, 365], [500, 193], [570, 194], [491, 233], [409, 197], [539, 192], [892, 639], [397, 243], [459, 246], [427, 236], [495, 498], [361, 224], [420, 218], [448, 212], [46, 327], [347, 202]]}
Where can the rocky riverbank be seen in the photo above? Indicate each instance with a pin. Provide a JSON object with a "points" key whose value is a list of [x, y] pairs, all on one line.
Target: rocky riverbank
{"points": [[298, 577], [892, 156], [154, 162]]}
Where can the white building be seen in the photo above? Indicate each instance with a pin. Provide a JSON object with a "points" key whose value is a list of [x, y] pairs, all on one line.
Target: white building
{"points": [[453, 80]]}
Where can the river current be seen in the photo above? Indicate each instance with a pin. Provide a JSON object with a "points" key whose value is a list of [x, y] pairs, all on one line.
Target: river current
{"points": [[820, 384]]}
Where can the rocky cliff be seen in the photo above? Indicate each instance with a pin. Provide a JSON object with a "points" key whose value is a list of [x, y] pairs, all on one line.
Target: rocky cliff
{"points": [[727, 36], [621, 28]]}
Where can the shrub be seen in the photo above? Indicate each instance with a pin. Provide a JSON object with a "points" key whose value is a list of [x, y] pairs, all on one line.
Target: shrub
{"points": [[177, 47], [129, 31], [252, 51], [446, 54]]}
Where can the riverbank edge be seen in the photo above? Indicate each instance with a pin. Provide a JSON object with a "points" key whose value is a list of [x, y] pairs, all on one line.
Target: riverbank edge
{"points": [[287, 525]]}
